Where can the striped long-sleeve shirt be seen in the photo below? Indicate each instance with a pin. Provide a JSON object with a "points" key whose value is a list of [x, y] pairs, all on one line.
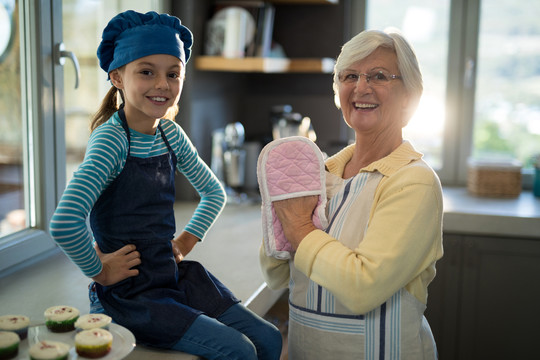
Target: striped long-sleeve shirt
{"points": [[105, 157]]}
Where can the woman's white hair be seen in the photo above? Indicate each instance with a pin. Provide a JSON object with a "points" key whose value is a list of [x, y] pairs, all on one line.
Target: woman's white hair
{"points": [[363, 44]]}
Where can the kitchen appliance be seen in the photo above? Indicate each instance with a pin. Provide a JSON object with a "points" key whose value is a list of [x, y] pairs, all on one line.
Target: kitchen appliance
{"points": [[234, 157], [218, 147], [287, 123]]}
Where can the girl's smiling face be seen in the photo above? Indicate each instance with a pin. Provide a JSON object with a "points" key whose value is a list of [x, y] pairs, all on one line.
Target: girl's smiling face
{"points": [[374, 109], [150, 85]]}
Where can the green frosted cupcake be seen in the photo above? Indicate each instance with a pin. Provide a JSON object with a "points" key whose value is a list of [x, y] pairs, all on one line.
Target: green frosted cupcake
{"points": [[61, 318], [9, 345], [93, 343], [49, 350]]}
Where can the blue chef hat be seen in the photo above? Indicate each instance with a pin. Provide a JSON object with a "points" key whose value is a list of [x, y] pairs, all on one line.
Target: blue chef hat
{"points": [[131, 35]]}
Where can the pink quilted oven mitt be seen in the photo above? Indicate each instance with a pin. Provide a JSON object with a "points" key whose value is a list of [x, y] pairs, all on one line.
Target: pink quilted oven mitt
{"points": [[287, 168]]}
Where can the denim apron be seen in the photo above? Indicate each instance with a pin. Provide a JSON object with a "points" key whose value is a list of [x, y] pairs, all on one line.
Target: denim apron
{"points": [[159, 304]]}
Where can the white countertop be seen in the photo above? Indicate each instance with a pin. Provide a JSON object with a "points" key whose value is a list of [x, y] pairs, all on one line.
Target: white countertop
{"points": [[515, 217]]}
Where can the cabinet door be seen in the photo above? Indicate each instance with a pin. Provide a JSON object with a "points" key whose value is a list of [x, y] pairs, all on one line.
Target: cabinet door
{"points": [[443, 298], [499, 304]]}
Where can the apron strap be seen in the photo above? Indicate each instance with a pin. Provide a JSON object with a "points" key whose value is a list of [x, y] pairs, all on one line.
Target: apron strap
{"points": [[122, 115], [173, 155]]}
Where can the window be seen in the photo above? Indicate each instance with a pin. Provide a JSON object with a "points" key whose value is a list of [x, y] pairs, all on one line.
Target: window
{"points": [[28, 87], [481, 95], [507, 101]]}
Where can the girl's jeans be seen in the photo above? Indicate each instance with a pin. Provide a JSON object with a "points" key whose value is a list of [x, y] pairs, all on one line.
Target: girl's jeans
{"points": [[238, 333]]}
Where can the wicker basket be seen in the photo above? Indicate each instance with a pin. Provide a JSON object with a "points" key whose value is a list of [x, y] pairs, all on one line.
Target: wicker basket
{"points": [[494, 179]]}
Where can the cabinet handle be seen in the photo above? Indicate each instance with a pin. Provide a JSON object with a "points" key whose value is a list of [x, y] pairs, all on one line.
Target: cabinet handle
{"points": [[60, 56]]}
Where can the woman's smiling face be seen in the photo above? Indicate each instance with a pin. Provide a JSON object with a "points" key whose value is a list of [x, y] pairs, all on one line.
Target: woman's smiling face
{"points": [[370, 108]]}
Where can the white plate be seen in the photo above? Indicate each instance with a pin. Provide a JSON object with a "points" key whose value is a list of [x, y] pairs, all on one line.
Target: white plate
{"points": [[123, 342]]}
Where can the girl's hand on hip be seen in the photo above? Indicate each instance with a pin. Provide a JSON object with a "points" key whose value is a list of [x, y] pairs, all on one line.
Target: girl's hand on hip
{"points": [[118, 265], [183, 245]]}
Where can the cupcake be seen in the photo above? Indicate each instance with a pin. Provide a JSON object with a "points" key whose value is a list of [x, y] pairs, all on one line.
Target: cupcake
{"points": [[93, 321], [61, 318], [16, 323], [49, 350], [9, 345], [93, 343]]}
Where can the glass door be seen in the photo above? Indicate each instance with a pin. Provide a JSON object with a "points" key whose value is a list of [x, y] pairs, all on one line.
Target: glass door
{"points": [[30, 116], [12, 185]]}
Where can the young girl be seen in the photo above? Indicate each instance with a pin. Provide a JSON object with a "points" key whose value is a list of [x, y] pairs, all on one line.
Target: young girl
{"points": [[126, 184]]}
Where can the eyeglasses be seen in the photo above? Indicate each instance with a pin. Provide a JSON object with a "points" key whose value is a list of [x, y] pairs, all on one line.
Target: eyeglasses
{"points": [[376, 78]]}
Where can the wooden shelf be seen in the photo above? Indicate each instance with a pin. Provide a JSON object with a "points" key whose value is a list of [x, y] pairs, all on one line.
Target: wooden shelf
{"points": [[265, 65], [306, 2]]}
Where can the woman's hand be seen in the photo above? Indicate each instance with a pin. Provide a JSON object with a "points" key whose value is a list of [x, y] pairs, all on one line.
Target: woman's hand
{"points": [[117, 266], [183, 244], [295, 216]]}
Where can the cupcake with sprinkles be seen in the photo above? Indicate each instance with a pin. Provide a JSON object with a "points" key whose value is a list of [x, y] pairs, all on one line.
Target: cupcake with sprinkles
{"points": [[93, 343], [93, 321], [61, 318], [15, 323], [49, 350], [9, 345]]}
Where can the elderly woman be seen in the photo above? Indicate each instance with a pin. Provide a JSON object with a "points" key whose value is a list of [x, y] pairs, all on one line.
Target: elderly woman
{"points": [[358, 289]]}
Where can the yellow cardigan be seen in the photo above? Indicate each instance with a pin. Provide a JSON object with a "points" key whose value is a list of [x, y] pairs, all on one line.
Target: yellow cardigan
{"points": [[399, 249]]}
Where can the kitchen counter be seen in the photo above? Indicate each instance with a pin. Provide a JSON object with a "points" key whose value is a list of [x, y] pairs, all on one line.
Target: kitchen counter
{"points": [[230, 251], [515, 217]]}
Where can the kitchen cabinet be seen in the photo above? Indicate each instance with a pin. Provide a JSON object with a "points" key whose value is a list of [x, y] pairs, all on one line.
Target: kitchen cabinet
{"points": [[219, 91], [483, 303], [274, 65], [281, 24]]}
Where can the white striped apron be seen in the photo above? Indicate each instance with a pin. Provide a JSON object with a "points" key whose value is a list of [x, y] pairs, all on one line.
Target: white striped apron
{"points": [[320, 327]]}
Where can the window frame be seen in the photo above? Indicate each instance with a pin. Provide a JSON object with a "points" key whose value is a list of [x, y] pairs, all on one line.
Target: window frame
{"points": [[460, 92], [43, 131]]}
